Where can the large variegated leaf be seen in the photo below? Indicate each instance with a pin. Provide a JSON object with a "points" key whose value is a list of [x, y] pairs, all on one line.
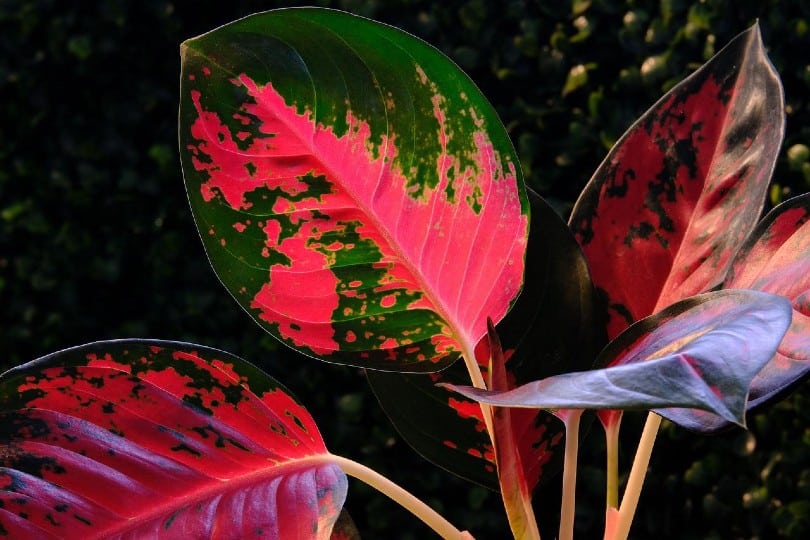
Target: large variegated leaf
{"points": [[549, 330], [677, 195], [698, 353], [150, 439], [355, 192], [774, 259]]}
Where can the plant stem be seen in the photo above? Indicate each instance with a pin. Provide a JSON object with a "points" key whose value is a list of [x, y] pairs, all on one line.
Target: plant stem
{"points": [[418, 508], [640, 464], [477, 380], [612, 446], [569, 474]]}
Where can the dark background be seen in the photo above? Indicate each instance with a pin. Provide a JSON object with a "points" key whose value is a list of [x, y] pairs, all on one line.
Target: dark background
{"points": [[97, 241]]}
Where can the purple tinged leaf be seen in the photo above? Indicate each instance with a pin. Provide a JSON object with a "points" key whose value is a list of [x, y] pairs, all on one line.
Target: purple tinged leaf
{"points": [[701, 353], [774, 259]]}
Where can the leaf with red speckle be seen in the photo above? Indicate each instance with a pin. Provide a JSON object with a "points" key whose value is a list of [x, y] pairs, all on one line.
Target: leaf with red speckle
{"points": [[515, 489], [774, 259], [155, 439], [550, 330], [674, 199], [702, 352], [355, 192]]}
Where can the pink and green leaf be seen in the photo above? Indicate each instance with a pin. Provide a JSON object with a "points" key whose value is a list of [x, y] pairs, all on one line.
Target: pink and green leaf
{"points": [[355, 192], [163, 440], [775, 259], [549, 330], [674, 199], [702, 353]]}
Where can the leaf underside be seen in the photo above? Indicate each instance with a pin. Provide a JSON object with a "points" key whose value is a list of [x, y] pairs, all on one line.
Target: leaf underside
{"points": [[355, 192], [159, 439], [699, 353], [667, 209]]}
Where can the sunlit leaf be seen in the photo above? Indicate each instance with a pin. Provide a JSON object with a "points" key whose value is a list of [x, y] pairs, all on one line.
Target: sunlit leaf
{"points": [[699, 353], [677, 195], [151, 439], [354, 190], [774, 259], [549, 330]]}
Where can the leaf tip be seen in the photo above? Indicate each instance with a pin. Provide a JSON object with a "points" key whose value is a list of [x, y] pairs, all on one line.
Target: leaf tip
{"points": [[183, 49]]}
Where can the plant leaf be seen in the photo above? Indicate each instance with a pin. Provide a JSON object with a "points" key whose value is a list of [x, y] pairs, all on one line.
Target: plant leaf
{"points": [[344, 528], [162, 440], [674, 199], [515, 490], [549, 330], [354, 190], [702, 353], [774, 259]]}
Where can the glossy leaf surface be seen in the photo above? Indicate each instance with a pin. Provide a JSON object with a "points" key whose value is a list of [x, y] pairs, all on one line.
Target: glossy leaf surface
{"points": [[355, 192], [549, 330], [774, 259], [677, 195], [699, 353], [139, 439]]}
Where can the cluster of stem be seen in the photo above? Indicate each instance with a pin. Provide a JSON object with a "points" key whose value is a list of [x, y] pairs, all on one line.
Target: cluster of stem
{"points": [[618, 517]]}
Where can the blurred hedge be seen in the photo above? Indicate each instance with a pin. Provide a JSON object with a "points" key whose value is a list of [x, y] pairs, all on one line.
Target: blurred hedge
{"points": [[96, 240]]}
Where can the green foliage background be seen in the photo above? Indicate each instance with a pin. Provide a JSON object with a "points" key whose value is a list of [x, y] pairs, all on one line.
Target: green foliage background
{"points": [[97, 241]]}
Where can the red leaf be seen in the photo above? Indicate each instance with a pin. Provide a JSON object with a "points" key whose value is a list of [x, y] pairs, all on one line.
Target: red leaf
{"points": [[514, 484], [677, 195], [160, 440]]}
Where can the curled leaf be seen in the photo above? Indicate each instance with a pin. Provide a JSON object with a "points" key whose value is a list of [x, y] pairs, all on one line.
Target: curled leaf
{"points": [[774, 259], [700, 353]]}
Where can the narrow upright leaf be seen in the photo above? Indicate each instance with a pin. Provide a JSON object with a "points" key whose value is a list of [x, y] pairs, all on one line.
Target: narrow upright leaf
{"points": [[699, 353], [515, 488], [355, 192], [677, 195], [150, 439], [774, 259]]}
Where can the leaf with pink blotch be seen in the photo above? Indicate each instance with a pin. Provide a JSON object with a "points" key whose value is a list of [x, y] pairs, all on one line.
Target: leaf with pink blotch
{"points": [[355, 192]]}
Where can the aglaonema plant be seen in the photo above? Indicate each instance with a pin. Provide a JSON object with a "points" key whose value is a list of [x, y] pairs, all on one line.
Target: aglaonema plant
{"points": [[361, 200]]}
